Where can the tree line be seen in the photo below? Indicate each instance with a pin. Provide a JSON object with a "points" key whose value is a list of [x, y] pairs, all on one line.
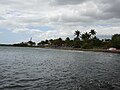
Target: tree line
{"points": [[87, 40]]}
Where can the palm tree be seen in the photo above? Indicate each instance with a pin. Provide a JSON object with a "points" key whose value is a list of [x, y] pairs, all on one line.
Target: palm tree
{"points": [[77, 33], [86, 37], [92, 32]]}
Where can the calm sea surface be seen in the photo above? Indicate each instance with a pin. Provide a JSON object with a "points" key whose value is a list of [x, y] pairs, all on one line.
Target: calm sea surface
{"points": [[48, 69]]}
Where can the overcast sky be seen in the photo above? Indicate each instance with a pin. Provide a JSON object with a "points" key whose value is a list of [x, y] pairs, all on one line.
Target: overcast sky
{"points": [[45, 19]]}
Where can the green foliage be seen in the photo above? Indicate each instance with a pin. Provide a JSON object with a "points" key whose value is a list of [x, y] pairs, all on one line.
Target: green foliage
{"points": [[31, 43], [51, 41], [86, 37], [46, 42], [25, 44], [87, 40], [95, 42], [87, 46], [67, 42], [116, 41], [58, 42], [77, 43], [22, 44], [42, 43]]}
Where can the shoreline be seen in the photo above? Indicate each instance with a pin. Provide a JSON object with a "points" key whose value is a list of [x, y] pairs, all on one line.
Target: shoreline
{"points": [[79, 49], [76, 49]]}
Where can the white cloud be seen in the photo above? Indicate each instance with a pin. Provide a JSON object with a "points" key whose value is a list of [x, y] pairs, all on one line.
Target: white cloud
{"points": [[64, 16], [20, 30]]}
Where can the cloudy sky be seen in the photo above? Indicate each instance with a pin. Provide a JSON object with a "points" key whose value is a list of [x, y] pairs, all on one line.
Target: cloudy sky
{"points": [[45, 19]]}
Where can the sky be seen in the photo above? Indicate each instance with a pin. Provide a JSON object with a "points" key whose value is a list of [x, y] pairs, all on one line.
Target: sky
{"points": [[45, 19]]}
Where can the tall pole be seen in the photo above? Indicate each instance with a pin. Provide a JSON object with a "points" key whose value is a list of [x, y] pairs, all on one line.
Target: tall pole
{"points": [[31, 39]]}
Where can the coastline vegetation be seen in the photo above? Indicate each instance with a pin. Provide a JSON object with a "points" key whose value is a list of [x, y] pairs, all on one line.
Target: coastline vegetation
{"points": [[87, 40]]}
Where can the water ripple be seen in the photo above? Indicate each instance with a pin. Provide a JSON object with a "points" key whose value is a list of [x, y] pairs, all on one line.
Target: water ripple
{"points": [[41, 69]]}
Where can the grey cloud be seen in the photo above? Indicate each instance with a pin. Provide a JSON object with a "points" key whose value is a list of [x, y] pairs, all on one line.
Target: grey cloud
{"points": [[12, 3], [110, 9], [75, 19], [99, 15], [67, 2], [62, 15], [105, 10], [114, 8], [70, 18], [7, 2]]}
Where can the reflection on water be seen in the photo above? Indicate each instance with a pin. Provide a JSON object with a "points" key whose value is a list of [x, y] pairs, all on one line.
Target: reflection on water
{"points": [[42, 69]]}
